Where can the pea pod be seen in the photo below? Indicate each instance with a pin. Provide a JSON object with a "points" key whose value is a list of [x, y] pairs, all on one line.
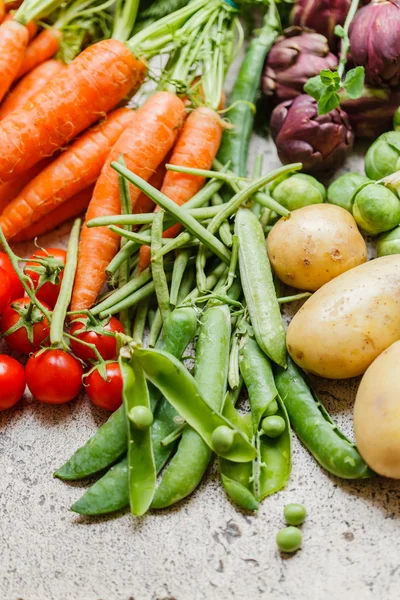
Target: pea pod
{"points": [[190, 462], [109, 442], [315, 428], [181, 390], [258, 287]]}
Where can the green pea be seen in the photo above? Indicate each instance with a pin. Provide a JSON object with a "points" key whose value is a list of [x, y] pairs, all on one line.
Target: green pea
{"points": [[222, 439], [294, 514], [141, 417], [271, 409], [289, 539], [273, 426]]}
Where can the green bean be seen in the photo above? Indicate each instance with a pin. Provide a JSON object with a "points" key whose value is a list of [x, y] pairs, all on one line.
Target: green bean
{"points": [[144, 292], [183, 239], [178, 272], [225, 230], [157, 267], [187, 467], [180, 389], [199, 213], [139, 324], [142, 469], [155, 328], [124, 270], [181, 215], [257, 172], [258, 287], [138, 238], [132, 286], [123, 255], [109, 442], [315, 428], [211, 282], [294, 298], [205, 173], [201, 279]]}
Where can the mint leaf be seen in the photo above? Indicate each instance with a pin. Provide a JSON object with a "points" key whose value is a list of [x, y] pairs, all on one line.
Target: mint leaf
{"points": [[339, 31], [354, 82], [330, 77], [328, 101], [314, 87]]}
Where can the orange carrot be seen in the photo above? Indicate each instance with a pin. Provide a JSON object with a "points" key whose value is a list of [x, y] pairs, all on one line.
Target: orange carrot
{"points": [[68, 210], [89, 87], [31, 26], [196, 147], [14, 39], [73, 171], [29, 85], [43, 47], [144, 204], [2, 10], [10, 189], [143, 145]]}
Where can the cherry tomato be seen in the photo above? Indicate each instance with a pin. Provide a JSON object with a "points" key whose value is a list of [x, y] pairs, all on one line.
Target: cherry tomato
{"points": [[105, 344], [17, 291], [19, 340], [5, 290], [105, 394], [48, 292], [12, 381], [54, 376]]}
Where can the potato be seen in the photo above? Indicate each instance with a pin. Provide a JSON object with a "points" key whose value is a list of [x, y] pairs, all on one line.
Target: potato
{"points": [[347, 323], [377, 414], [316, 244]]}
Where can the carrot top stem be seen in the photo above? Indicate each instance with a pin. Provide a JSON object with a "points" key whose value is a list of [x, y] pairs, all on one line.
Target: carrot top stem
{"points": [[31, 10], [124, 19], [64, 298]]}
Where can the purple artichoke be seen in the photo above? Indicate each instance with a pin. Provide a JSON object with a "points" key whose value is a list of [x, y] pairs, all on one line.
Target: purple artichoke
{"points": [[320, 142], [372, 113], [296, 56], [322, 16], [375, 41]]}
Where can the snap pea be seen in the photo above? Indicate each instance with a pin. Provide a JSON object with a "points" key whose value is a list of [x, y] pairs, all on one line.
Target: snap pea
{"points": [[181, 390], [258, 287], [109, 442], [142, 469], [157, 267], [188, 465], [315, 428]]}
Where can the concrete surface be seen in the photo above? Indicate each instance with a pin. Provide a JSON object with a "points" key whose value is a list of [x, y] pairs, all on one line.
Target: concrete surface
{"points": [[204, 549]]}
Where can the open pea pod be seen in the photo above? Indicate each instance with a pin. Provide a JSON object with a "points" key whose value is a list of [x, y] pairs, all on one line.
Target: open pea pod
{"points": [[181, 390]]}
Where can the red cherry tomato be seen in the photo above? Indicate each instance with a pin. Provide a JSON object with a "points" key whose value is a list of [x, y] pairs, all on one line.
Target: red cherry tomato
{"points": [[12, 381], [19, 340], [17, 291], [105, 394], [54, 376], [48, 292], [105, 344], [5, 290]]}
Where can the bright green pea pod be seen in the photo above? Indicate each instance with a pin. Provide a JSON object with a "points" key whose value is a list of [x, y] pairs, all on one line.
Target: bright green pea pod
{"points": [[315, 428], [258, 287], [181, 390], [109, 442], [190, 462], [142, 469]]}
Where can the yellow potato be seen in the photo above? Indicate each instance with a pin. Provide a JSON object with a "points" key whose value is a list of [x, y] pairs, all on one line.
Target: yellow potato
{"points": [[347, 323], [377, 414], [316, 244]]}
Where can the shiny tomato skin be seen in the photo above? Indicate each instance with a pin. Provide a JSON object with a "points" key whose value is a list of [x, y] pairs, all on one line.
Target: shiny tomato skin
{"points": [[16, 286], [5, 290], [48, 292], [105, 344], [54, 376], [105, 394], [12, 381], [18, 340]]}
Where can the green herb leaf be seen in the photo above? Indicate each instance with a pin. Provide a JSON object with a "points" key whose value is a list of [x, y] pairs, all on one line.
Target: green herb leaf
{"points": [[330, 77], [314, 87], [328, 101], [339, 31], [354, 82]]}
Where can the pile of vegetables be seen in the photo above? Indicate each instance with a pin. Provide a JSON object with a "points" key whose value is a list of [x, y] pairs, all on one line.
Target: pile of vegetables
{"points": [[180, 246]]}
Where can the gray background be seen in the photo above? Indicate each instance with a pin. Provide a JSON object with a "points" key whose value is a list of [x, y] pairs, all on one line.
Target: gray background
{"points": [[202, 549]]}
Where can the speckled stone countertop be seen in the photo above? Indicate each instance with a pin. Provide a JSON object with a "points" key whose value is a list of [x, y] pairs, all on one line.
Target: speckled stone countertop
{"points": [[203, 549]]}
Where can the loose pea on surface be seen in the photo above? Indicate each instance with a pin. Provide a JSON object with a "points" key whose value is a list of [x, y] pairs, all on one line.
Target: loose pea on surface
{"points": [[289, 539], [294, 514], [141, 417], [222, 439], [273, 426]]}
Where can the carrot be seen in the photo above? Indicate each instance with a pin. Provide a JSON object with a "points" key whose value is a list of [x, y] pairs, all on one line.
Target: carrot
{"points": [[29, 85], [43, 47], [68, 210], [14, 39], [10, 189], [196, 147], [89, 87], [144, 204], [73, 171], [143, 145], [2, 10], [31, 26]]}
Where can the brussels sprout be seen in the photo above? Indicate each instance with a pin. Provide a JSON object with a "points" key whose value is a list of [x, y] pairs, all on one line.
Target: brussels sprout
{"points": [[389, 243], [341, 191], [299, 190], [383, 157], [376, 209]]}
